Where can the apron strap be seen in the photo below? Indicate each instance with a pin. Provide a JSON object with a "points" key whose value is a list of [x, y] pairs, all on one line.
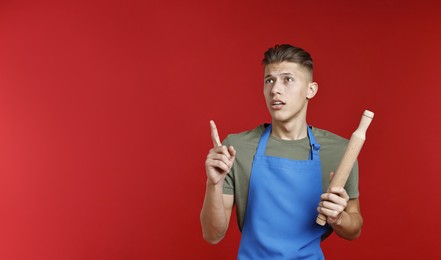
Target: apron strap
{"points": [[315, 147], [261, 147]]}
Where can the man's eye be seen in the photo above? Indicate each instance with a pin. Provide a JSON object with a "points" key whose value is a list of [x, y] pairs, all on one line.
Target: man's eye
{"points": [[269, 81], [289, 79]]}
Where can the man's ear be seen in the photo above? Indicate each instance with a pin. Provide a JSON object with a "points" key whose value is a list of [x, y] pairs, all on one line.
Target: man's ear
{"points": [[312, 90]]}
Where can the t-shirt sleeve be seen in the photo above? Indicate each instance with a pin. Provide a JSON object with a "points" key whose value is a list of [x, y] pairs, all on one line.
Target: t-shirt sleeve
{"points": [[228, 187]]}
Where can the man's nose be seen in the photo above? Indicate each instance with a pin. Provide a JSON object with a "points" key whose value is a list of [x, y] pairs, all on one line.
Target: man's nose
{"points": [[277, 87]]}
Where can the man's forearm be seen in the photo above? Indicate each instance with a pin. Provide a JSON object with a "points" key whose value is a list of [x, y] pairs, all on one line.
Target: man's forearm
{"points": [[349, 225], [214, 219]]}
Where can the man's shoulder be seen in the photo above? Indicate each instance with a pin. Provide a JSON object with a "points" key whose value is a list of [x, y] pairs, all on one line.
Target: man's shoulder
{"points": [[327, 138], [246, 137]]}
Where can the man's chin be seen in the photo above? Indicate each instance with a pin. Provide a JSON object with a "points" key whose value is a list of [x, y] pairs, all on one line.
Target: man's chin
{"points": [[276, 117]]}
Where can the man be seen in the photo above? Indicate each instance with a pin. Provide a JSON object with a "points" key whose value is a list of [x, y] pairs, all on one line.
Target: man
{"points": [[275, 173]]}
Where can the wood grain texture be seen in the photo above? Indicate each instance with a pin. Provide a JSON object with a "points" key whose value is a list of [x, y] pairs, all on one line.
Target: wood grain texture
{"points": [[351, 153]]}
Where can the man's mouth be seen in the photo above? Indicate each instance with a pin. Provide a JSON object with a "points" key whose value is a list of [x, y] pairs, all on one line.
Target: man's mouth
{"points": [[277, 104]]}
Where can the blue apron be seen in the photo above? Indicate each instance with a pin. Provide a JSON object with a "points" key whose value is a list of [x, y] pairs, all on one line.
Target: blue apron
{"points": [[282, 206]]}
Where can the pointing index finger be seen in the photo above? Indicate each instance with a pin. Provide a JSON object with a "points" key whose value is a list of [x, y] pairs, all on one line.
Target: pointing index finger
{"points": [[214, 134]]}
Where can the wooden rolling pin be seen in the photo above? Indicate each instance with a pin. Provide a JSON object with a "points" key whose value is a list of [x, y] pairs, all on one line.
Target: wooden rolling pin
{"points": [[347, 161]]}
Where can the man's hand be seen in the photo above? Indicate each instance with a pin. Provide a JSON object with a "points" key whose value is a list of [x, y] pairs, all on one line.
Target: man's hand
{"points": [[219, 160], [333, 203], [342, 213]]}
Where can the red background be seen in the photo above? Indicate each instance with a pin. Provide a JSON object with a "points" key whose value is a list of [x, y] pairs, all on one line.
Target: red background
{"points": [[104, 110]]}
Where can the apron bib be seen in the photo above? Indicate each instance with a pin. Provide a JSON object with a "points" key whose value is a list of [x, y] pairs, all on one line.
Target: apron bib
{"points": [[282, 206]]}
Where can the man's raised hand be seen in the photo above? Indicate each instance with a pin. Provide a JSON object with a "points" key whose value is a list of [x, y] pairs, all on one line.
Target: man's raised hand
{"points": [[220, 158]]}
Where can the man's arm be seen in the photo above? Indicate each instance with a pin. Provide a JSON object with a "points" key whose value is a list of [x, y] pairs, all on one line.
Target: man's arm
{"points": [[350, 222], [215, 214], [342, 213], [217, 207]]}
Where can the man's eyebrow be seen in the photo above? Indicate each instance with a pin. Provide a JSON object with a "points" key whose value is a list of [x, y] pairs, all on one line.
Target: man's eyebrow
{"points": [[281, 74]]}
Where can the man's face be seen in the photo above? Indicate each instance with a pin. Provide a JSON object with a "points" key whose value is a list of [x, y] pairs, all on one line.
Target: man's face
{"points": [[287, 89]]}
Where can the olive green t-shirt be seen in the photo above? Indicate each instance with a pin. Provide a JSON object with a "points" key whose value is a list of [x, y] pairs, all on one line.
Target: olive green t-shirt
{"points": [[332, 148]]}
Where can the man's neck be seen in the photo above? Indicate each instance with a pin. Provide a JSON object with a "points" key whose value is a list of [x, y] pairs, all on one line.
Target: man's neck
{"points": [[290, 130]]}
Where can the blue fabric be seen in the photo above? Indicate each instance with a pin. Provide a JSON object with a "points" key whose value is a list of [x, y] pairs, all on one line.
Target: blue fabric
{"points": [[281, 209]]}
